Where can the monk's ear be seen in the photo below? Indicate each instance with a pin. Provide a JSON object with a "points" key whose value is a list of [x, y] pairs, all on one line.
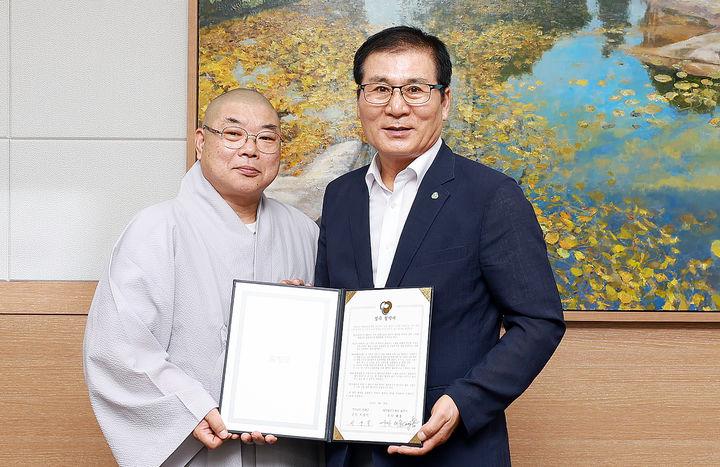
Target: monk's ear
{"points": [[199, 143]]}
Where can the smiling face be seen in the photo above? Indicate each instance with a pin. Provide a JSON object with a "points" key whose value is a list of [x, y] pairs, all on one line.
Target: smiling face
{"points": [[398, 131], [238, 175]]}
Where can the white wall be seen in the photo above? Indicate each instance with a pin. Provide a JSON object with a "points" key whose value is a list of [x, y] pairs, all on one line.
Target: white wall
{"points": [[92, 127], [4, 132]]}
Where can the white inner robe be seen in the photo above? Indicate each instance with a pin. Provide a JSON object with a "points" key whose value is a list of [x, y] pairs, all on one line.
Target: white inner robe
{"points": [[155, 338]]}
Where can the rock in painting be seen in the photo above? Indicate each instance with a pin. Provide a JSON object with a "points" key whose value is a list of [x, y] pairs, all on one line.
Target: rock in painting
{"points": [[682, 33]]}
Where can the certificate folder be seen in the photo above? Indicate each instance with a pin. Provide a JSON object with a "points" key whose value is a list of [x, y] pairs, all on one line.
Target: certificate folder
{"points": [[327, 364]]}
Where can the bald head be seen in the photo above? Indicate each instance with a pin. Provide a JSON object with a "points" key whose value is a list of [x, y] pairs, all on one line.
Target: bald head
{"points": [[236, 168], [244, 96]]}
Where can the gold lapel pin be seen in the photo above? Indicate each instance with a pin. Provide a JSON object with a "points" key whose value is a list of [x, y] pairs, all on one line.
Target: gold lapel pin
{"points": [[435, 195]]}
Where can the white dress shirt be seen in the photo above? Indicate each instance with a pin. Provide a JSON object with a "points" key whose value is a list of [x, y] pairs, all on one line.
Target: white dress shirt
{"points": [[389, 209]]}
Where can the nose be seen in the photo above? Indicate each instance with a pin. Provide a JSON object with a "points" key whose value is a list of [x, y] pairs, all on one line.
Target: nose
{"points": [[247, 149], [397, 105]]}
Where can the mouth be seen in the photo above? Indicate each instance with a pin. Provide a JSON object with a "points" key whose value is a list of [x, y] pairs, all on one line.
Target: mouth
{"points": [[397, 130], [247, 170]]}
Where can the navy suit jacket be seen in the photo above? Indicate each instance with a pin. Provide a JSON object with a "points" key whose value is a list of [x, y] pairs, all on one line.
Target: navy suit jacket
{"points": [[479, 244]]}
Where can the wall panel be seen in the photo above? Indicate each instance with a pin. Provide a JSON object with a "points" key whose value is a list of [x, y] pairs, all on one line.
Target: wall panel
{"points": [[614, 393], [4, 67], [43, 397], [624, 394], [4, 206], [71, 199], [112, 69]]}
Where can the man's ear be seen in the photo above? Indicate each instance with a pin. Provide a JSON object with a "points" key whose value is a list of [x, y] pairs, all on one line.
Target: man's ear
{"points": [[446, 104], [199, 143]]}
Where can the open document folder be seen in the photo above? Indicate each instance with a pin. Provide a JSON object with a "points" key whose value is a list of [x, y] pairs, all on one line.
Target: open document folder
{"points": [[327, 364]]}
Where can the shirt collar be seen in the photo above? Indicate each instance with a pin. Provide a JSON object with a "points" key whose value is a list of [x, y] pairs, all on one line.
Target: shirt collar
{"points": [[419, 165]]}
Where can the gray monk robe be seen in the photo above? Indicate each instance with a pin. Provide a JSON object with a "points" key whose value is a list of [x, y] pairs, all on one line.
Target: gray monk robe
{"points": [[155, 339]]}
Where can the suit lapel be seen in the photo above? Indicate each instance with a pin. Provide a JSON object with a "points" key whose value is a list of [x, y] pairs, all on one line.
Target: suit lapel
{"points": [[430, 198], [358, 216]]}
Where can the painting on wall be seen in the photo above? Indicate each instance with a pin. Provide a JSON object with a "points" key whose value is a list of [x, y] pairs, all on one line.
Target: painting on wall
{"points": [[604, 111]]}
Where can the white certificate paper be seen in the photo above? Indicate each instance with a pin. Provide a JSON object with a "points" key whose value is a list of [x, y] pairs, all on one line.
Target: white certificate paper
{"points": [[279, 359], [292, 372], [383, 365]]}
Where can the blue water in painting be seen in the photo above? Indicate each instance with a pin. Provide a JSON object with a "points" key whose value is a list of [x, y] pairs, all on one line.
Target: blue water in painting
{"points": [[666, 166]]}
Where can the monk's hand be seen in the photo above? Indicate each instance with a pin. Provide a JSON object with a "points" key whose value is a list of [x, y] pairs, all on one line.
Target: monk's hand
{"points": [[296, 282], [257, 438], [444, 418], [211, 430]]}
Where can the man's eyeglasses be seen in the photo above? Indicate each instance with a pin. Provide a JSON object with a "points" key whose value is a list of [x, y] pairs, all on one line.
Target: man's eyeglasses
{"points": [[234, 137], [413, 93]]}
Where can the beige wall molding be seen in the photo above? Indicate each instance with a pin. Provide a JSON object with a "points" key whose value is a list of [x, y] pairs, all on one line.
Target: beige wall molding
{"points": [[74, 297], [46, 297]]}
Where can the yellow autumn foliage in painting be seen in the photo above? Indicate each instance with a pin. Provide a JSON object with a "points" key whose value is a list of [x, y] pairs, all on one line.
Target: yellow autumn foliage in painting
{"points": [[304, 71], [715, 247]]}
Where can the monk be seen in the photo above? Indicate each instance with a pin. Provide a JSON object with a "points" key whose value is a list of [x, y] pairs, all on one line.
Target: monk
{"points": [[156, 332]]}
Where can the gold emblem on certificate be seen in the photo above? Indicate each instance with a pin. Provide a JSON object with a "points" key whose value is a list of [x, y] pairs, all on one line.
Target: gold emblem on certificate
{"points": [[385, 307]]}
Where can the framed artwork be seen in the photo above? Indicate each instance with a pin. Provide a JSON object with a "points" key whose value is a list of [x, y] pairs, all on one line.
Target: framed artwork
{"points": [[604, 111]]}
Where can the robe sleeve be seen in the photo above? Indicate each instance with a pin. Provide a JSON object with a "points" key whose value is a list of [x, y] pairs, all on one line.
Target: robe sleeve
{"points": [[145, 404]]}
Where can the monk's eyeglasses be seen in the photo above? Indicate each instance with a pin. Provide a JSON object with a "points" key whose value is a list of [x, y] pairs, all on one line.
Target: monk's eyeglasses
{"points": [[234, 137]]}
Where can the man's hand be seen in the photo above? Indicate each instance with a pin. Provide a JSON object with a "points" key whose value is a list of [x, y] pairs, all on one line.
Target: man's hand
{"points": [[211, 430], [296, 282], [444, 418]]}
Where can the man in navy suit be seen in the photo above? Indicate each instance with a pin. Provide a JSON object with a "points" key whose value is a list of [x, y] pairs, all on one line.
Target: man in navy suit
{"points": [[421, 215]]}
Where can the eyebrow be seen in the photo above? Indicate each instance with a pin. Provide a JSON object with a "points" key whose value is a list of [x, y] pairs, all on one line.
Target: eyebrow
{"points": [[382, 79], [270, 126], [232, 120]]}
